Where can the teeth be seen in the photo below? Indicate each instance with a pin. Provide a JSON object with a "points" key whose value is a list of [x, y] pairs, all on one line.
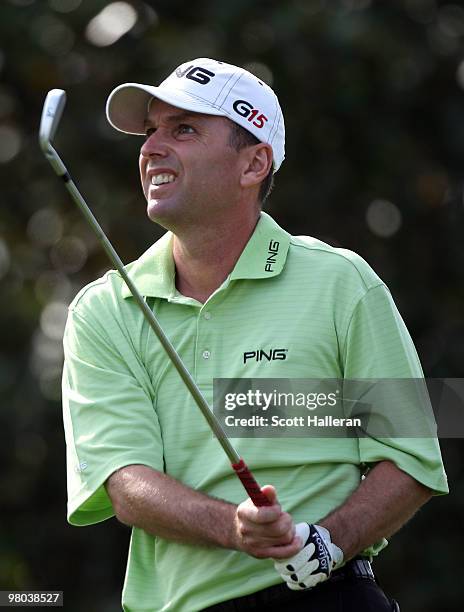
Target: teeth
{"points": [[159, 179]]}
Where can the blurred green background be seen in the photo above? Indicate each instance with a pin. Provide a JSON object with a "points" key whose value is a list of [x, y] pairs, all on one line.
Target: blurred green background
{"points": [[372, 93]]}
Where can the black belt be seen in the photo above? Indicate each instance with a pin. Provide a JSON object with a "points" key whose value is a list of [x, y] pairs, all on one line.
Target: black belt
{"points": [[359, 567]]}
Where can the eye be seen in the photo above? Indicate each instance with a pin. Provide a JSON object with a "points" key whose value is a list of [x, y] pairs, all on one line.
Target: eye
{"points": [[149, 132], [183, 128]]}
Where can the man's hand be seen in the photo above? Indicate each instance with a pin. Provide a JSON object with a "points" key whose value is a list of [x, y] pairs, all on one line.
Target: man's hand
{"points": [[265, 532], [315, 561]]}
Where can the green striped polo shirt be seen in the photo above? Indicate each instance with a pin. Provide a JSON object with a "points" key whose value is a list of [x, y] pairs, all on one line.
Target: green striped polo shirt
{"points": [[124, 402]]}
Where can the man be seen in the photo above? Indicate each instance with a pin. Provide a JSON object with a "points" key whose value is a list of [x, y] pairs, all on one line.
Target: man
{"points": [[224, 281]]}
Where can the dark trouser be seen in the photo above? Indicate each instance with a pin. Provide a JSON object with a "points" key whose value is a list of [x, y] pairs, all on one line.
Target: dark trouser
{"points": [[347, 593]]}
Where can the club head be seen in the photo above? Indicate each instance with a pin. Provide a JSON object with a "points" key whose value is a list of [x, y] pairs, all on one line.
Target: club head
{"points": [[51, 115]]}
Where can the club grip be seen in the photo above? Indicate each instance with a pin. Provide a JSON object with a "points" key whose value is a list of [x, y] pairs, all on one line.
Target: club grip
{"points": [[250, 484]]}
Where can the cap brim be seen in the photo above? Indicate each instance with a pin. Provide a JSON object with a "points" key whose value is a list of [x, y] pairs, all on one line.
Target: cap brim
{"points": [[127, 105]]}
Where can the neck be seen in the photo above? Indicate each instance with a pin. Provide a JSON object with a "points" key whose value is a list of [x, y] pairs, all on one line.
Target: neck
{"points": [[206, 257]]}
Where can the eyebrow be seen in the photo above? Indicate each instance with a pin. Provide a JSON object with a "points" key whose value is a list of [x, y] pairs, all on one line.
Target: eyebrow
{"points": [[174, 118]]}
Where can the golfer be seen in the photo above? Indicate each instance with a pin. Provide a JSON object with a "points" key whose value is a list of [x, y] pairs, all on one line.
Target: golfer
{"points": [[238, 297]]}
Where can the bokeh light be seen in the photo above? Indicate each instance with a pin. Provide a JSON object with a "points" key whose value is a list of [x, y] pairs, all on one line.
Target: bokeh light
{"points": [[28, 259], [460, 74], [451, 20], [53, 285], [4, 258], [115, 20], [69, 254], [73, 68], [45, 227], [46, 354], [50, 382], [7, 102], [10, 143], [383, 218], [53, 35], [53, 320]]}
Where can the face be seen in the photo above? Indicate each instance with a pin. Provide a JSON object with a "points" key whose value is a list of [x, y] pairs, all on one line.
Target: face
{"points": [[189, 172]]}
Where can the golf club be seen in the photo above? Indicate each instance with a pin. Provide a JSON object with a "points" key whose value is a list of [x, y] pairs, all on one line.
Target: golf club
{"points": [[51, 115]]}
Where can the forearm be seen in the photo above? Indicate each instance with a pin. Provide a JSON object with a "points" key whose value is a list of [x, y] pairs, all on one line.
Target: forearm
{"points": [[385, 500], [162, 506]]}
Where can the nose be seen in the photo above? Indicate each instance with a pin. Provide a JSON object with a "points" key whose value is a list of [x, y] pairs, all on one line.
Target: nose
{"points": [[154, 145]]}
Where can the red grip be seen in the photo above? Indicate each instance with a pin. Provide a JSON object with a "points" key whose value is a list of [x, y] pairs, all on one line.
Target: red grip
{"points": [[251, 486]]}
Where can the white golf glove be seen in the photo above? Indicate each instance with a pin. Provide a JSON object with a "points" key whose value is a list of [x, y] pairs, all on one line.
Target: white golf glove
{"points": [[315, 561]]}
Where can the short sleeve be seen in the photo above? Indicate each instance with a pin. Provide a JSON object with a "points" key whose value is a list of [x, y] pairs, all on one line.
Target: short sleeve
{"points": [[108, 412], [378, 346]]}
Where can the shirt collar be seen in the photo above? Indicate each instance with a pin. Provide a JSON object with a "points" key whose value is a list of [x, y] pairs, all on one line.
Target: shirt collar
{"points": [[153, 273], [263, 256], [265, 253]]}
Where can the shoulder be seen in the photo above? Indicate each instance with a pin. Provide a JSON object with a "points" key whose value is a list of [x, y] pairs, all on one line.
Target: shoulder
{"points": [[101, 295], [99, 315], [333, 262]]}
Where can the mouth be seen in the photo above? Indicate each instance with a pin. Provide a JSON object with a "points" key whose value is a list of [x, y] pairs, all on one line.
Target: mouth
{"points": [[163, 178]]}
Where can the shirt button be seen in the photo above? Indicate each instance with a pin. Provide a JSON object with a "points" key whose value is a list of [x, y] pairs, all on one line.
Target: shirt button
{"points": [[207, 316], [206, 354]]}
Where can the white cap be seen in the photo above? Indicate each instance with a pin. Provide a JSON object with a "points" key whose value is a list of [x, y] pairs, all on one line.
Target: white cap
{"points": [[205, 86]]}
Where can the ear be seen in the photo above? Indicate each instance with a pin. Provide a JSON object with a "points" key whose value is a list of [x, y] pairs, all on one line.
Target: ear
{"points": [[257, 163]]}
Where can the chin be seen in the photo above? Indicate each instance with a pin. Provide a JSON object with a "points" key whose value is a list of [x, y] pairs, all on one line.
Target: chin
{"points": [[154, 211], [159, 212]]}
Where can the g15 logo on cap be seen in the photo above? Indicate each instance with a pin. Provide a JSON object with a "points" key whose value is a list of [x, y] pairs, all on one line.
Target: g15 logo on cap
{"points": [[196, 73], [245, 109]]}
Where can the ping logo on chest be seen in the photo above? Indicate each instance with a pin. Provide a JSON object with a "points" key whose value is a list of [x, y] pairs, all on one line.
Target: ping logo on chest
{"points": [[272, 252], [277, 354]]}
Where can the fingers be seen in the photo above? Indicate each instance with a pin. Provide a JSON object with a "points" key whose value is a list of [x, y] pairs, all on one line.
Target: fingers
{"points": [[298, 561], [267, 531], [298, 583], [275, 533], [314, 563], [284, 552], [247, 511], [270, 492], [265, 522], [279, 552]]}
